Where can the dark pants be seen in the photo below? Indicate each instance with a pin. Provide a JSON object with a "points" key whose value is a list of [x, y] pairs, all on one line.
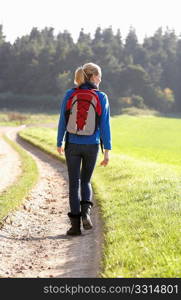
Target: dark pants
{"points": [[81, 160]]}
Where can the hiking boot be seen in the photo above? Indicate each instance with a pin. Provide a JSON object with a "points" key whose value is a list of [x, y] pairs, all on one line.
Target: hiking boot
{"points": [[75, 222], [85, 213]]}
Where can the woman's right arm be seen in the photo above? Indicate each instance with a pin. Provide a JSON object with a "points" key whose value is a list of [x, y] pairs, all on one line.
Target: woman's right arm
{"points": [[105, 130], [105, 161]]}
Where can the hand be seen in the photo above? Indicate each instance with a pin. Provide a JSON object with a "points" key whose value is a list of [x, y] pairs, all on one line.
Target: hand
{"points": [[106, 158], [60, 150]]}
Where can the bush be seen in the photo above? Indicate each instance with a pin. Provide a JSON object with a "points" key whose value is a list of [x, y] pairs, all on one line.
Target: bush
{"points": [[165, 100], [16, 116], [134, 100], [137, 101]]}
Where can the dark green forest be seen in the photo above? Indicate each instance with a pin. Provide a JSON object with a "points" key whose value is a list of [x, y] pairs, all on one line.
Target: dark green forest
{"points": [[37, 68]]}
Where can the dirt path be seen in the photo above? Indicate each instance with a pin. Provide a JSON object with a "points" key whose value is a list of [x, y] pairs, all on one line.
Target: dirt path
{"points": [[9, 160], [33, 242]]}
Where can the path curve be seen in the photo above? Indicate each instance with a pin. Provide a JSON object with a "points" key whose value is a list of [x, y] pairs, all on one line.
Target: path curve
{"points": [[9, 160], [33, 241]]}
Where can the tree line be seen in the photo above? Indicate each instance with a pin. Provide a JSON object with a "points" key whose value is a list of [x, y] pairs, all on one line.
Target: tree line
{"points": [[144, 75]]}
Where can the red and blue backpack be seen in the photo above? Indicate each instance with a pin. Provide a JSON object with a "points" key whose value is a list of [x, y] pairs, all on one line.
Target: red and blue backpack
{"points": [[83, 111]]}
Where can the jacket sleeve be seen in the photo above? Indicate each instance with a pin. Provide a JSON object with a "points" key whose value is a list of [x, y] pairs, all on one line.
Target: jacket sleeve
{"points": [[62, 121], [105, 130]]}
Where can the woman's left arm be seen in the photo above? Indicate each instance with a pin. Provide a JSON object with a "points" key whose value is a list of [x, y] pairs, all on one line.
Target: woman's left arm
{"points": [[62, 123]]}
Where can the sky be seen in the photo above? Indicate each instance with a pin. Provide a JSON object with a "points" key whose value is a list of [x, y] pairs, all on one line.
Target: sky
{"points": [[18, 17]]}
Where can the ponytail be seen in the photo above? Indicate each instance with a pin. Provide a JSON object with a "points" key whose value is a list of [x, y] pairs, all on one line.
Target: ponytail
{"points": [[79, 76]]}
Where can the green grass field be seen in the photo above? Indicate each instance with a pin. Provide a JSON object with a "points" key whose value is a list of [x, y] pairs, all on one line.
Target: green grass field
{"points": [[139, 194], [153, 138]]}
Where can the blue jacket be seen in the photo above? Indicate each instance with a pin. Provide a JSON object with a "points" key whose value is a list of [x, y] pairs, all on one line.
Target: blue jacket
{"points": [[103, 130]]}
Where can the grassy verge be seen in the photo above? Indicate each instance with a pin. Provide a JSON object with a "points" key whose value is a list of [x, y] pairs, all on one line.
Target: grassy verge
{"points": [[141, 210], [139, 196], [13, 196], [43, 138]]}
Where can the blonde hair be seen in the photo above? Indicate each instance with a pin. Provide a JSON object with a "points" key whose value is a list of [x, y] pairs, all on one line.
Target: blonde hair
{"points": [[85, 72]]}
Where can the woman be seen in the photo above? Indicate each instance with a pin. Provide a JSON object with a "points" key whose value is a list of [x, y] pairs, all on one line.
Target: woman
{"points": [[81, 151]]}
